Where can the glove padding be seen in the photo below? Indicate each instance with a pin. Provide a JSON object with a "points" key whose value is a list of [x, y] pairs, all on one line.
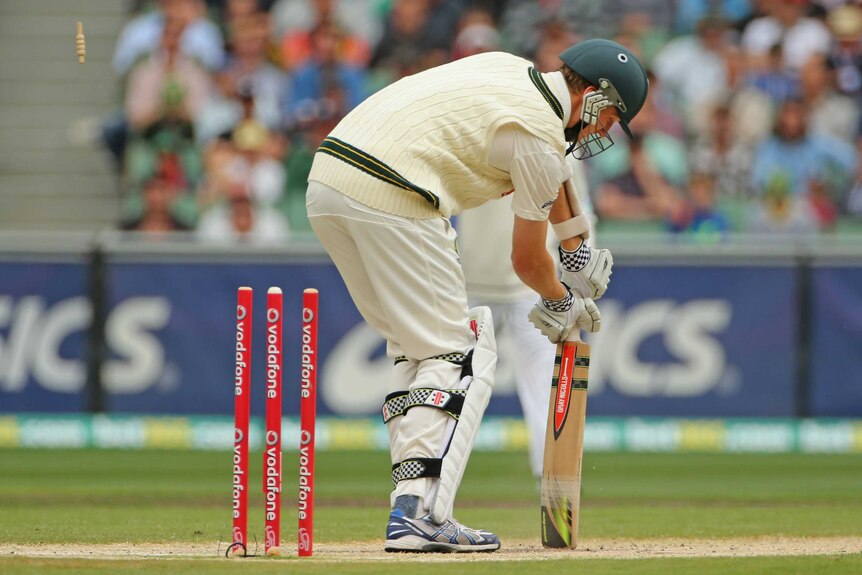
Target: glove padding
{"points": [[586, 270], [557, 319]]}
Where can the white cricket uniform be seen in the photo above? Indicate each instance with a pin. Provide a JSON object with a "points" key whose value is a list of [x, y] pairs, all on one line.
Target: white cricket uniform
{"points": [[383, 186]]}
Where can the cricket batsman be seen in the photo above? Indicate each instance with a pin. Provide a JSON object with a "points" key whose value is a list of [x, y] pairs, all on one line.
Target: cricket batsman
{"points": [[382, 188]]}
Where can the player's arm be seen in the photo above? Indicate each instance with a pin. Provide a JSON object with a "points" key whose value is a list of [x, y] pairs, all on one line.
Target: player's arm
{"points": [[571, 230], [531, 260], [585, 270], [536, 173], [558, 313]]}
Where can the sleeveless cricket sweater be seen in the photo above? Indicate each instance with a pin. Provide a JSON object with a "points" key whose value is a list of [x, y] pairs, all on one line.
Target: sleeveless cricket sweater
{"points": [[419, 147]]}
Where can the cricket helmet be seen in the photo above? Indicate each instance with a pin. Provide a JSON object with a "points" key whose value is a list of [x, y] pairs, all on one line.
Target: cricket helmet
{"points": [[619, 78]]}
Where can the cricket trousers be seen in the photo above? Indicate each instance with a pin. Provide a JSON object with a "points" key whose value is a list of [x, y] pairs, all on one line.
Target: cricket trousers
{"points": [[405, 278]]}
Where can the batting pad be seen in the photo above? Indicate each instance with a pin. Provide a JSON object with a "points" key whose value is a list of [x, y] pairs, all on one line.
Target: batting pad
{"points": [[461, 432]]}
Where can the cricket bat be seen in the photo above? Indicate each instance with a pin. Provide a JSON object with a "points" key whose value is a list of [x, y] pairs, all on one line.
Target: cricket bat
{"points": [[564, 446]]}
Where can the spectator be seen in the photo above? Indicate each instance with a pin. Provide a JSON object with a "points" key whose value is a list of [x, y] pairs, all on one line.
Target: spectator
{"points": [[698, 215], [771, 78], [442, 24], [522, 21], [248, 63], [693, 68], [664, 153], [823, 207], [690, 12], [642, 179], [164, 95], [156, 209], [167, 87], [751, 109], [233, 11], [786, 24], [240, 220], [720, 155], [243, 187], [256, 163], [846, 55], [477, 33], [230, 105], [201, 38], [640, 193], [248, 79], [666, 120], [324, 80], [406, 46], [779, 210], [295, 20], [555, 38], [831, 113], [141, 37], [249, 157], [796, 162], [646, 37], [759, 9]]}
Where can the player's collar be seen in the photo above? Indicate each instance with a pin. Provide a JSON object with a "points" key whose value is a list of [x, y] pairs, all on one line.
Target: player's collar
{"points": [[557, 84]]}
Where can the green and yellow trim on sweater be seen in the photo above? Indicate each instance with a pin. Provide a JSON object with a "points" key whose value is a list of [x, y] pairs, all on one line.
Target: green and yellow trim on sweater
{"points": [[545, 91], [373, 167]]}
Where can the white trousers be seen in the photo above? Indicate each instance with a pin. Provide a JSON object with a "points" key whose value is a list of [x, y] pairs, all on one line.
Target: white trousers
{"points": [[405, 278], [403, 274]]}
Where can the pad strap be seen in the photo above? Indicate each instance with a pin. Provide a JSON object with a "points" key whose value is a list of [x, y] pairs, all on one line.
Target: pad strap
{"points": [[416, 468], [454, 357], [448, 400], [572, 228]]}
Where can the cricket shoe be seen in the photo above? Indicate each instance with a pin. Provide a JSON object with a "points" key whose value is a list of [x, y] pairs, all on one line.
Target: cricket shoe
{"points": [[423, 536]]}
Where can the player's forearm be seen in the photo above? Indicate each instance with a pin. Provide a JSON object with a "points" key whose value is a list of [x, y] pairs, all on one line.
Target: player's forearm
{"points": [[539, 274], [561, 211], [531, 260]]}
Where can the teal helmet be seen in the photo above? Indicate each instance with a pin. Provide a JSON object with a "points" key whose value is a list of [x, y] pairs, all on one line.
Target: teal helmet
{"points": [[619, 78]]}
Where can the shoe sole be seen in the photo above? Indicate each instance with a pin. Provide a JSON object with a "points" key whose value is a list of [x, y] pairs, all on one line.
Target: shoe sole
{"points": [[413, 544]]}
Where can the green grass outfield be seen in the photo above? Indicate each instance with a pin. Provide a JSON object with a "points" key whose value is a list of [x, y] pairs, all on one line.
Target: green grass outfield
{"points": [[83, 500]]}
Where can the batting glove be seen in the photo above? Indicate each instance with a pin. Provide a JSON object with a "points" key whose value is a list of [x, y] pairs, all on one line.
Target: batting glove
{"points": [[586, 270], [558, 319]]}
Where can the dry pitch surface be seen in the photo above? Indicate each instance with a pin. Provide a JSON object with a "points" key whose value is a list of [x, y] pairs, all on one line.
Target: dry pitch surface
{"points": [[512, 550]]}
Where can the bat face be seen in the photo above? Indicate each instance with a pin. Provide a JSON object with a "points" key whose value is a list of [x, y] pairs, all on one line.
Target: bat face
{"points": [[564, 440]]}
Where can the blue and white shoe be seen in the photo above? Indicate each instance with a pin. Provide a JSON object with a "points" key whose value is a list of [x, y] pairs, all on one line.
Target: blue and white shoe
{"points": [[421, 535]]}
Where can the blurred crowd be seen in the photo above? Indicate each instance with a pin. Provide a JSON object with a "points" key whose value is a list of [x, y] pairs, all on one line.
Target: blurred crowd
{"points": [[752, 121]]}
